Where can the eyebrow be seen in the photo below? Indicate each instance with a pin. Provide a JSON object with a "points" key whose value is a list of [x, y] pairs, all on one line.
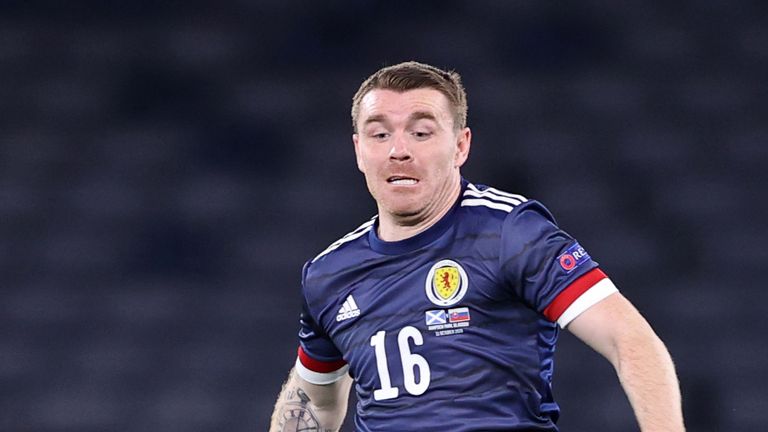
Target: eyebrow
{"points": [[422, 115], [376, 118], [418, 115]]}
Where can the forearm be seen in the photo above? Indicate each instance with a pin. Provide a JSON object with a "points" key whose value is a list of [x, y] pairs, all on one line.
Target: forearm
{"points": [[308, 407], [648, 377], [615, 329]]}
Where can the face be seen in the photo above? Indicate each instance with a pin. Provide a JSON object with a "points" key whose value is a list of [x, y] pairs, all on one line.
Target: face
{"points": [[410, 153]]}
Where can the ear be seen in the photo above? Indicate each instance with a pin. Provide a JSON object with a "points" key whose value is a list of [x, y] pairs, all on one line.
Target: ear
{"points": [[356, 141], [463, 143]]}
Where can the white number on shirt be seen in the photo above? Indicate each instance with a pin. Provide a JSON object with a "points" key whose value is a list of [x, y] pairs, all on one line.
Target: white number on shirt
{"points": [[409, 360]]}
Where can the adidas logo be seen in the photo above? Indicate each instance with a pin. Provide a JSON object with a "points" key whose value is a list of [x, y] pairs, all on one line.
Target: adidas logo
{"points": [[348, 310]]}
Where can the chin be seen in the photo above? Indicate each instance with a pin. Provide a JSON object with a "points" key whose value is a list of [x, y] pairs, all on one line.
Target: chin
{"points": [[406, 214], [404, 211]]}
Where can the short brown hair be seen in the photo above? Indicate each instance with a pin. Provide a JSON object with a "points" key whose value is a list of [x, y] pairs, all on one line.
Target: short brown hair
{"points": [[414, 75]]}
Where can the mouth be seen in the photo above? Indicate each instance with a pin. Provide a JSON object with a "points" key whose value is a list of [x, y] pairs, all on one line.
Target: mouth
{"points": [[402, 180]]}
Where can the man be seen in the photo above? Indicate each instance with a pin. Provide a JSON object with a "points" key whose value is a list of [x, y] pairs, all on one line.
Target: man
{"points": [[445, 307]]}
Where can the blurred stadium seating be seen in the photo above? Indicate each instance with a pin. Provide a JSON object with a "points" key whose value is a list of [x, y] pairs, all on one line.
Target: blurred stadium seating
{"points": [[165, 170]]}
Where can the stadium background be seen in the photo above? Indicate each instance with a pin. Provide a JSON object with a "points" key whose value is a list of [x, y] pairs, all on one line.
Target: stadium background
{"points": [[166, 169]]}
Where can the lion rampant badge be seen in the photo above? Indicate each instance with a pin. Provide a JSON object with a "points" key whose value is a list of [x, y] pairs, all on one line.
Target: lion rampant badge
{"points": [[446, 283]]}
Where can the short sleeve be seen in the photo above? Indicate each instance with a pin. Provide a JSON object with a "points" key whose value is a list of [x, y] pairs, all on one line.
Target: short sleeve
{"points": [[318, 360], [547, 268]]}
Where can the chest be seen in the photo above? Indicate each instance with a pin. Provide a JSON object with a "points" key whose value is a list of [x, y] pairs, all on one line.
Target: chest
{"points": [[422, 306], [391, 293]]}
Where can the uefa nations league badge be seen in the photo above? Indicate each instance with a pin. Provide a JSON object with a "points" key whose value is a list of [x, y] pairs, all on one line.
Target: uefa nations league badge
{"points": [[445, 286], [573, 257]]}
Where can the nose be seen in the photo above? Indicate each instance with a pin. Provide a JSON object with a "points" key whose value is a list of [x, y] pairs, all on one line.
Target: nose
{"points": [[400, 150]]}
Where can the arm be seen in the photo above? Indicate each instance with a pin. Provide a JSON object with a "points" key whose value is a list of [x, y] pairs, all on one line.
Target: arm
{"points": [[615, 329], [303, 406]]}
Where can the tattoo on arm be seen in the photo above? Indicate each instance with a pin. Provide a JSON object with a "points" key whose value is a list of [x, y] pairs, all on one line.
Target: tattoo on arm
{"points": [[298, 415]]}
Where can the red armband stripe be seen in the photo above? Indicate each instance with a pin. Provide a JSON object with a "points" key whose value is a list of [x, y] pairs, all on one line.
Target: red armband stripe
{"points": [[317, 365], [572, 292]]}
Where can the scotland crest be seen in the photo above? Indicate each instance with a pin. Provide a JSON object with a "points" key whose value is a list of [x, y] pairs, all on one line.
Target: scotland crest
{"points": [[446, 283]]}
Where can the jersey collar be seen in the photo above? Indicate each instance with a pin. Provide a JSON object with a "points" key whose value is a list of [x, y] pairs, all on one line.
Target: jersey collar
{"points": [[419, 240]]}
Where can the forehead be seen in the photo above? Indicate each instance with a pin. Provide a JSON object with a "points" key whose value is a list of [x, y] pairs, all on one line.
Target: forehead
{"points": [[400, 105]]}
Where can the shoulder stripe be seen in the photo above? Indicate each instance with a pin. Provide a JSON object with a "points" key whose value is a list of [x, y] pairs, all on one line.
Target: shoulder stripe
{"points": [[497, 192], [485, 194], [507, 194], [491, 198], [473, 202], [357, 233]]}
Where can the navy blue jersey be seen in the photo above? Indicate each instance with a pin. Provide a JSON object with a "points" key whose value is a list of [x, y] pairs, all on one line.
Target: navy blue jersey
{"points": [[455, 327]]}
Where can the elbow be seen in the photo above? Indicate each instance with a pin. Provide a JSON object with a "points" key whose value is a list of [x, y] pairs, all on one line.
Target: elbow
{"points": [[636, 349]]}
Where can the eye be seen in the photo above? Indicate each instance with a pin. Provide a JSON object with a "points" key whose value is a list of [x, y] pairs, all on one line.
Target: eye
{"points": [[380, 135], [421, 135]]}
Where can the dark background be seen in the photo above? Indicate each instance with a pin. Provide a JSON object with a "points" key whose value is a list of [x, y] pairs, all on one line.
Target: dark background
{"points": [[166, 169]]}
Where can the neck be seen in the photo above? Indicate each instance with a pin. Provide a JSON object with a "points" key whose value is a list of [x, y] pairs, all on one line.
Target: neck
{"points": [[395, 228]]}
